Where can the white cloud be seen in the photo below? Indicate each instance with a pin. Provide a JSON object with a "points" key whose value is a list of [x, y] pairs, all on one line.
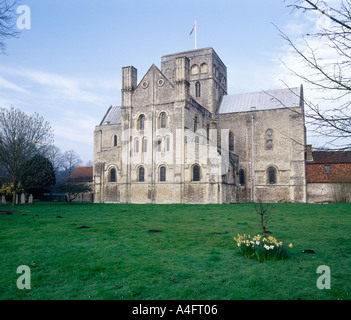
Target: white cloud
{"points": [[8, 85], [66, 88], [73, 105]]}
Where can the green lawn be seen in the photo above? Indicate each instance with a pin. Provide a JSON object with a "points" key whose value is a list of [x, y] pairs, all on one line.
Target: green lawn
{"points": [[194, 257]]}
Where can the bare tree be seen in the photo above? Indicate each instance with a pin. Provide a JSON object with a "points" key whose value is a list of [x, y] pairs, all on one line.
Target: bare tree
{"points": [[71, 161], [56, 158], [7, 22], [22, 138], [89, 163], [64, 163], [263, 210], [330, 116]]}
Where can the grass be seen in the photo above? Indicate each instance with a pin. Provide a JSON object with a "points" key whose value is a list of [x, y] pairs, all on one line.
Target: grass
{"points": [[193, 257]]}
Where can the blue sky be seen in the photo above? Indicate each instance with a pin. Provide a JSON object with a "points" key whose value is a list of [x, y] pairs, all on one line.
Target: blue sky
{"points": [[67, 67]]}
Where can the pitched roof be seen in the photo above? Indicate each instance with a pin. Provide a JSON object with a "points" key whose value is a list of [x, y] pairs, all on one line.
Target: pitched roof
{"points": [[112, 116], [263, 100], [81, 174], [331, 157]]}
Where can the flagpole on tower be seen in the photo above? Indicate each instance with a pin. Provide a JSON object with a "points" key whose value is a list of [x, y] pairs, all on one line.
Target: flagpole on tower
{"points": [[195, 36], [191, 32]]}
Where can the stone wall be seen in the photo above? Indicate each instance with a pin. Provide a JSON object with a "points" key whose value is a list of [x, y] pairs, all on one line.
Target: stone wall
{"points": [[286, 155], [328, 192]]}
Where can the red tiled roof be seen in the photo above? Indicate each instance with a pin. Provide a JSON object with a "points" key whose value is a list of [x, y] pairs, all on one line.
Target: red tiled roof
{"points": [[81, 174], [331, 157]]}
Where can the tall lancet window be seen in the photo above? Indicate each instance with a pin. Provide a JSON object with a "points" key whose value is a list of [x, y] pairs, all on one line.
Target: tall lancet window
{"points": [[141, 123], [242, 177], [198, 89], [163, 173], [144, 145], [272, 175], [163, 120], [141, 174], [136, 145], [113, 175], [196, 173]]}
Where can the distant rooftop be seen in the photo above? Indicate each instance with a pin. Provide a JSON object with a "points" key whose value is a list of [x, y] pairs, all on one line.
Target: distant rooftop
{"points": [[81, 174], [263, 100], [328, 157]]}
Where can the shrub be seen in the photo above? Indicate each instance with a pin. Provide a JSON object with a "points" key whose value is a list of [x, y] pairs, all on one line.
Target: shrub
{"points": [[262, 248], [73, 189]]}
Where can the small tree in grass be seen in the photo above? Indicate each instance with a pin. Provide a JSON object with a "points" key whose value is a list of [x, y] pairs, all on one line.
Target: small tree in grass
{"points": [[263, 210], [72, 190], [262, 247]]}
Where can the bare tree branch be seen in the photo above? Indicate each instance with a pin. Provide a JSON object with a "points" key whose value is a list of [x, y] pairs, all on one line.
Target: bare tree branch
{"points": [[7, 22], [330, 114]]}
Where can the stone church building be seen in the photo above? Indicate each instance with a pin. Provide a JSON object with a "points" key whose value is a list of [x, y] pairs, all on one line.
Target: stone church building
{"points": [[178, 137]]}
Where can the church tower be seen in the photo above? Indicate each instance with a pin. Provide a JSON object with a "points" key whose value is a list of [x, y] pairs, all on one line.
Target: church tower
{"points": [[208, 76]]}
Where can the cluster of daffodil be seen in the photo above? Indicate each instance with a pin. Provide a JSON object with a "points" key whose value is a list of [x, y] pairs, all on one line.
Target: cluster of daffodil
{"points": [[261, 248], [7, 189]]}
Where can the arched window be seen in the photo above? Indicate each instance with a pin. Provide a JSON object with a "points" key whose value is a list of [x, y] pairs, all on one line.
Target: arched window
{"points": [[115, 141], [163, 120], [231, 141], [198, 89], [195, 123], [144, 146], [168, 143], [272, 175], [163, 173], [196, 173], [204, 68], [242, 177], [113, 175], [195, 69], [141, 174], [136, 145], [269, 139], [141, 122]]}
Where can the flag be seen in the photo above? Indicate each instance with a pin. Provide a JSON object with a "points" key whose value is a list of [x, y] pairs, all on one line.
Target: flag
{"points": [[192, 30]]}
